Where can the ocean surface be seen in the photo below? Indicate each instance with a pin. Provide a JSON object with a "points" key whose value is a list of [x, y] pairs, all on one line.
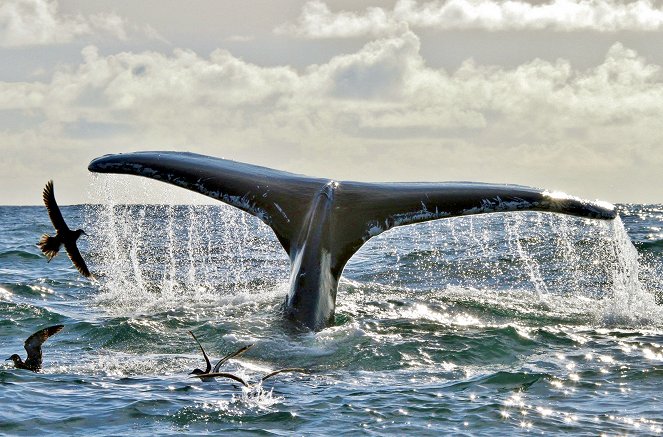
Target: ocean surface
{"points": [[508, 324]]}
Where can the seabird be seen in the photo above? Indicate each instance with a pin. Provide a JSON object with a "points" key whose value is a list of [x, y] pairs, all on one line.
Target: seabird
{"points": [[242, 381], [208, 369], [33, 348], [51, 245]]}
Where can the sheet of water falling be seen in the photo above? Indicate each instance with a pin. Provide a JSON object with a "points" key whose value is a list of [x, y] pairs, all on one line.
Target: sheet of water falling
{"points": [[153, 254]]}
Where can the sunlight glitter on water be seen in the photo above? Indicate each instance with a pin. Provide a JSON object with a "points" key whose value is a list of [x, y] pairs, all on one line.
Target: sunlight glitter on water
{"points": [[437, 327]]}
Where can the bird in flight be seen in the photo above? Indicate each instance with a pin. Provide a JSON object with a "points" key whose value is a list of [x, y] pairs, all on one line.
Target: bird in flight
{"points": [[63, 236], [208, 369], [33, 348]]}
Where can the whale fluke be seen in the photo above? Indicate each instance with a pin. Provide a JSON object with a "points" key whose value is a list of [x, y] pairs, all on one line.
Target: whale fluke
{"points": [[321, 223]]}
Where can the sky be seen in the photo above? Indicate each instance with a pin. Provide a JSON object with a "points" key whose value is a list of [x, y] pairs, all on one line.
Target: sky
{"points": [[562, 95]]}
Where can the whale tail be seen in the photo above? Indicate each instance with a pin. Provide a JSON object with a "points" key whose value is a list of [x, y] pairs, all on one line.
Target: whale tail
{"points": [[283, 200], [49, 246], [321, 223]]}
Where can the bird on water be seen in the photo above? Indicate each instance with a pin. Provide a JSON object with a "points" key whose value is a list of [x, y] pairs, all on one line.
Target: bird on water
{"points": [[33, 348], [208, 369], [246, 384], [64, 236]]}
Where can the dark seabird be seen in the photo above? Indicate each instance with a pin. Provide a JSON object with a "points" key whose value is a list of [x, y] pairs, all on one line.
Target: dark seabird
{"points": [[33, 348], [51, 245], [244, 383], [208, 369]]}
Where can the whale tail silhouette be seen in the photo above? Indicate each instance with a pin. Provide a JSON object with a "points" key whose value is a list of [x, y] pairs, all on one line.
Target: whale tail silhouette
{"points": [[321, 223]]}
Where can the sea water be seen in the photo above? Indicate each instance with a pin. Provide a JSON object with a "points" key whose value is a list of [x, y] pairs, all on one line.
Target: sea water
{"points": [[508, 323]]}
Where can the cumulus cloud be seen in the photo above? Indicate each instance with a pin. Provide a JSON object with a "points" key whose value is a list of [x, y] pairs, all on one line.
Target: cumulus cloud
{"points": [[379, 113], [39, 22], [318, 21]]}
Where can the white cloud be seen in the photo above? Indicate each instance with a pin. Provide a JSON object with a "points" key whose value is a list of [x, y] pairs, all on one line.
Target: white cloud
{"points": [[39, 22], [318, 21], [379, 113]]}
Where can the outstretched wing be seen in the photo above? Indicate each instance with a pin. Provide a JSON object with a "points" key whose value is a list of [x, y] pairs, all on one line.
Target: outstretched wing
{"points": [[231, 355], [76, 258], [368, 209], [207, 363], [276, 372], [33, 343], [53, 209], [222, 375], [278, 198]]}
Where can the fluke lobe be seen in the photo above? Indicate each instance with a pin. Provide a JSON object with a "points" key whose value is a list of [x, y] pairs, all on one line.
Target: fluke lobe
{"points": [[321, 223]]}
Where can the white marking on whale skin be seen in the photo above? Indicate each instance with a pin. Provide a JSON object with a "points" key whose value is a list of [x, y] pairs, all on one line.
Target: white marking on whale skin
{"points": [[418, 216], [199, 186], [280, 210], [241, 202], [373, 230], [148, 172], [497, 204]]}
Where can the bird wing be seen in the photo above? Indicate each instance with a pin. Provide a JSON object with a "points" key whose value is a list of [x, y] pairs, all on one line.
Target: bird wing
{"points": [[290, 369], [222, 375], [53, 208], [33, 343], [231, 355], [208, 364], [76, 258]]}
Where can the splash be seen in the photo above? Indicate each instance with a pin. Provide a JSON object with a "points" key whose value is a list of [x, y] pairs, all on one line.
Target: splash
{"points": [[534, 264], [514, 224], [168, 255], [630, 304]]}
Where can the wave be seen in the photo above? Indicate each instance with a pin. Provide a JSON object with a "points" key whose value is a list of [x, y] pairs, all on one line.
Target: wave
{"points": [[649, 246], [19, 254], [502, 380]]}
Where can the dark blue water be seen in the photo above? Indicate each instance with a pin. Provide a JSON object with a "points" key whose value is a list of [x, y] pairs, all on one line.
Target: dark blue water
{"points": [[504, 324]]}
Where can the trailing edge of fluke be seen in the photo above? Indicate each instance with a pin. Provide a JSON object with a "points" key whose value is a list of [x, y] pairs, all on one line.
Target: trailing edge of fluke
{"points": [[321, 223]]}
